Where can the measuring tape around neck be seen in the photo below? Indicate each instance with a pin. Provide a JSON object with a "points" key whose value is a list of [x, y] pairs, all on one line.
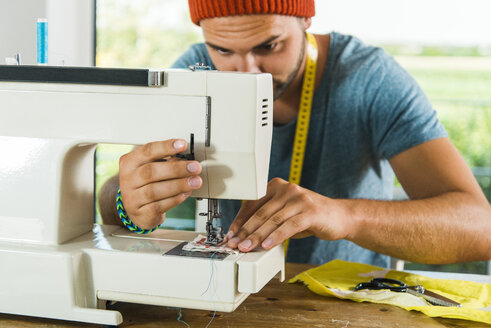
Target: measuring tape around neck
{"points": [[303, 118]]}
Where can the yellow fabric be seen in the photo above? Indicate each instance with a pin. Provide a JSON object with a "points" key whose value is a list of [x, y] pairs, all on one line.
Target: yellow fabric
{"points": [[338, 278]]}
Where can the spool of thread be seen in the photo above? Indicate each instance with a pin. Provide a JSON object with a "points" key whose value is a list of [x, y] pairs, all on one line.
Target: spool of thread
{"points": [[42, 41]]}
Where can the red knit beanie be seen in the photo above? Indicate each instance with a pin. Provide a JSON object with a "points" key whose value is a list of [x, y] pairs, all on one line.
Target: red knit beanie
{"points": [[201, 9]]}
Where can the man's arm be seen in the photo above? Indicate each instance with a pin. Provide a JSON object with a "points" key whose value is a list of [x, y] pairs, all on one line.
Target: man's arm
{"points": [[107, 201], [447, 220]]}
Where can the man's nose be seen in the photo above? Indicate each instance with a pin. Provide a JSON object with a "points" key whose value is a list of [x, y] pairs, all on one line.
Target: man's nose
{"points": [[248, 63]]}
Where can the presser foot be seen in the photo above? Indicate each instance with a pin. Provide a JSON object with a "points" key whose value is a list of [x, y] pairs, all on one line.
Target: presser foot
{"points": [[214, 234], [214, 230]]}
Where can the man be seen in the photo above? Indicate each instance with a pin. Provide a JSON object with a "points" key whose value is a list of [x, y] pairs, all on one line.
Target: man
{"points": [[368, 120]]}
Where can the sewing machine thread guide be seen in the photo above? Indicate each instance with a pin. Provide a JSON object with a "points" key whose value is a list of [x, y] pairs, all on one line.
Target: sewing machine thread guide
{"points": [[189, 156]]}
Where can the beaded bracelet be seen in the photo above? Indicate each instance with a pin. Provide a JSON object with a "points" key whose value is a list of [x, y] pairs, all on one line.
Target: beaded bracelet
{"points": [[126, 220]]}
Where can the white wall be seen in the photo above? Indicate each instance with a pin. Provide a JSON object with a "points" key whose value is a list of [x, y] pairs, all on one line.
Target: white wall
{"points": [[70, 30]]}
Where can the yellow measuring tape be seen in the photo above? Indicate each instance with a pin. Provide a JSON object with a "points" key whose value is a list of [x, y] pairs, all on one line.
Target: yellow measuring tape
{"points": [[303, 118]]}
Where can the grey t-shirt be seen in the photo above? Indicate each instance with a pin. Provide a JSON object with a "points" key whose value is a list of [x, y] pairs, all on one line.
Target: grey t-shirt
{"points": [[366, 110]]}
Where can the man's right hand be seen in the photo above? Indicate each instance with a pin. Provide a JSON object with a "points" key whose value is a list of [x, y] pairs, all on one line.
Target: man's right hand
{"points": [[150, 187]]}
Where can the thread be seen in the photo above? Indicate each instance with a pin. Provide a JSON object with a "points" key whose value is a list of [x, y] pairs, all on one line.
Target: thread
{"points": [[211, 275], [208, 287], [42, 41], [209, 323], [179, 319]]}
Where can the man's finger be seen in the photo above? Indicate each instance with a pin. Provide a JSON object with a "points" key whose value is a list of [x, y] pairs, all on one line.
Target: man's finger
{"points": [[289, 228], [151, 152], [159, 171], [151, 214], [274, 222], [259, 217], [158, 191], [249, 208], [246, 210]]}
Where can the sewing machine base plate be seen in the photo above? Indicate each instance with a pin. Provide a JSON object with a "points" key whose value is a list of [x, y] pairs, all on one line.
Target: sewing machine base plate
{"points": [[180, 252], [74, 280]]}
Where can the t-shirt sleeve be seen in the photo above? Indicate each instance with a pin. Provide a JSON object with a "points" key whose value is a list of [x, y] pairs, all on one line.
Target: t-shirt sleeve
{"points": [[197, 53], [399, 114]]}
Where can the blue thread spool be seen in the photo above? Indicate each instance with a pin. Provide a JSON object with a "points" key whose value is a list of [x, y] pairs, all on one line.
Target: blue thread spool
{"points": [[42, 41]]}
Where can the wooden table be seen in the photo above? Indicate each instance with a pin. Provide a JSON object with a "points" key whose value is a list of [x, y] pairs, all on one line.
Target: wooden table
{"points": [[276, 305]]}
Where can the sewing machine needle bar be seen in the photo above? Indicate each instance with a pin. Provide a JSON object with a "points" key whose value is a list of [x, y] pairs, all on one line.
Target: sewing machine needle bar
{"points": [[214, 230]]}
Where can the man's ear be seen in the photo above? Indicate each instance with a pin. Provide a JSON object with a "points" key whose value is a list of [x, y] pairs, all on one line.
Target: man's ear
{"points": [[306, 22]]}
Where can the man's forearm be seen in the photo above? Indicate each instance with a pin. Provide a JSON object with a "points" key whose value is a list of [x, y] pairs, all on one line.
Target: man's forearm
{"points": [[107, 201], [452, 227]]}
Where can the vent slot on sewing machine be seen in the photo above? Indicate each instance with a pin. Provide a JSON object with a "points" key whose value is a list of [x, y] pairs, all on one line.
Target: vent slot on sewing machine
{"points": [[265, 112]]}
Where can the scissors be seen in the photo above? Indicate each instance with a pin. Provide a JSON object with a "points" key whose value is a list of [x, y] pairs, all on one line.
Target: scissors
{"points": [[399, 286]]}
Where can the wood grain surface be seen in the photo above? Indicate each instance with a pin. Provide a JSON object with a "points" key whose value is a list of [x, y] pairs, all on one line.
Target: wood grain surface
{"points": [[276, 305]]}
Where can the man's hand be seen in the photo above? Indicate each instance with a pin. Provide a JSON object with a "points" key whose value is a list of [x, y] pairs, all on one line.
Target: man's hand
{"points": [[287, 210], [150, 187]]}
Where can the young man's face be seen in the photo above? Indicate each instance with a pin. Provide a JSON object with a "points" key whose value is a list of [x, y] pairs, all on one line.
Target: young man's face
{"points": [[272, 44]]}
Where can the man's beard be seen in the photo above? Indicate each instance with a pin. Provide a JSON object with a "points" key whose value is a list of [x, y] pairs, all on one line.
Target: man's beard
{"points": [[280, 87]]}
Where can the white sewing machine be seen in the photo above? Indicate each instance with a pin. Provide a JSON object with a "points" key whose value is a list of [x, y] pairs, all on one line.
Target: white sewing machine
{"points": [[54, 262]]}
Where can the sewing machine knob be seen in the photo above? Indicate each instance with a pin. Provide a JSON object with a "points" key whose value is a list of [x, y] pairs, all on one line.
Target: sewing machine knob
{"points": [[199, 67]]}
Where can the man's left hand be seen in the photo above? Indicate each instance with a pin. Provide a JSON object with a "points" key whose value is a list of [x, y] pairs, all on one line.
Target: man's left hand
{"points": [[287, 210]]}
